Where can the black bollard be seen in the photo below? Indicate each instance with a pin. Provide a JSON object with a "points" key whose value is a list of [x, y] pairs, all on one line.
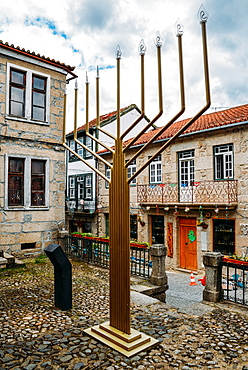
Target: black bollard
{"points": [[62, 276]]}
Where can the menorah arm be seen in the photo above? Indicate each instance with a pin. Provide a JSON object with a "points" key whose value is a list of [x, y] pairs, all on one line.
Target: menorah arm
{"points": [[182, 93], [143, 131], [133, 125], [156, 136], [93, 153], [193, 119], [106, 133], [100, 142], [86, 162], [160, 95], [142, 115], [170, 141]]}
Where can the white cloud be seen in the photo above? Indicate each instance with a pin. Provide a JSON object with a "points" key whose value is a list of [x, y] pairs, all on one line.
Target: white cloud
{"points": [[85, 33]]}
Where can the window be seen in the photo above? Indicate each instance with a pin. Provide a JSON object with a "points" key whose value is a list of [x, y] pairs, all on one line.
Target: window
{"points": [[87, 141], [88, 186], [17, 93], [28, 94], [73, 147], [133, 227], [39, 98], [88, 144], [156, 170], [16, 182], [37, 182], [131, 170], [27, 182], [80, 182], [107, 174], [80, 187], [223, 162], [80, 149], [186, 168]]}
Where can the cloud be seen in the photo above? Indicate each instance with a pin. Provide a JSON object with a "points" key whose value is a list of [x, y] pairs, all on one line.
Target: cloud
{"points": [[85, 33], [93, 14]]}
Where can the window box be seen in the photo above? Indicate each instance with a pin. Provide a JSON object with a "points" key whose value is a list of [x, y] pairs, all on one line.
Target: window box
{"points": [[235, 261]]}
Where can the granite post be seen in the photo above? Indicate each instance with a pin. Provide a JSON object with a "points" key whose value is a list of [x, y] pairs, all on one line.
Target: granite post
{"points": [[213, 268]]}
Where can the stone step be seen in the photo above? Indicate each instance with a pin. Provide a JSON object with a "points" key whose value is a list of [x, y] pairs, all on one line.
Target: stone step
{"points": [[10, 260], [19, 263], [3, 262]]}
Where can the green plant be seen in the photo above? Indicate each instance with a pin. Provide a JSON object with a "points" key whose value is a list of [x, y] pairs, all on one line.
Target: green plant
{"points": [[41, 258], [234, 256]]}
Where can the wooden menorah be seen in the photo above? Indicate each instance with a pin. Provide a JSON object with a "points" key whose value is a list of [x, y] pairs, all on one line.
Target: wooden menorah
{"points": [[117, 333]]}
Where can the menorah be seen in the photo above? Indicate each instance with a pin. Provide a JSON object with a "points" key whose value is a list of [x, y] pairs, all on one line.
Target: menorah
{"points": [[117, 333]]}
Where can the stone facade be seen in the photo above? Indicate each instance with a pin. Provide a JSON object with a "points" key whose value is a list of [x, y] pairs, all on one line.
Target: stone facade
{"points": [[206, 215], [23, 137]]}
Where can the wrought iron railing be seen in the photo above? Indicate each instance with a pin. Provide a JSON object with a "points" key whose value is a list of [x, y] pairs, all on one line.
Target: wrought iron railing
{"points": [[96, 251], [203, 192], [235, 281]]}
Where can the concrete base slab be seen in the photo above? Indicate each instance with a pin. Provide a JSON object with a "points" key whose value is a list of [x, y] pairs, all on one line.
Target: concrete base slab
{"points": [[127, 344]]}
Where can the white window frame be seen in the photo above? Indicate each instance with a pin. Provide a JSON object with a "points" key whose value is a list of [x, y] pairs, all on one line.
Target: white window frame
{"points": [[27, 183], [156, 168], [186, 167], [108, 175], [72, 192], [28, 94], [131, 169], [227, 162], [88, 186]]}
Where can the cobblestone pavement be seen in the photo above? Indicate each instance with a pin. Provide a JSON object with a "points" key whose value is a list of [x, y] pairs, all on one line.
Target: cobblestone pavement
{"points": [[35, 335]]}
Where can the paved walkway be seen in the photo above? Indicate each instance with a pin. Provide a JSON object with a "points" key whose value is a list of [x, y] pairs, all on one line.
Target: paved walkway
{"points": [[36, 336]]}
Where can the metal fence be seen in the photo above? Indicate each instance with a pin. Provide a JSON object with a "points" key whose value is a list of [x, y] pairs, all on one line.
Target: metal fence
{"points": [[235, 282], [96, 252]]}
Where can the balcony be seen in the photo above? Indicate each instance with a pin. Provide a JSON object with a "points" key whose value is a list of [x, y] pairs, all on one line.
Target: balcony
{"points": [[197, 192]]}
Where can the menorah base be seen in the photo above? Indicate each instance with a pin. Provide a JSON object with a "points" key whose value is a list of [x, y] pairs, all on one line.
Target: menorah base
{"points": [[127, 344]]}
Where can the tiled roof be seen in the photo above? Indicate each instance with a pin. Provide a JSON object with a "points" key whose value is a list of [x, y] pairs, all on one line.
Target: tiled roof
{"points": [[32, 54], [205, 122], [105, 118]]}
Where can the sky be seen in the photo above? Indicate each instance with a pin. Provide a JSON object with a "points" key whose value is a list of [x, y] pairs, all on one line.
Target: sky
{"points": [[86, 33]]}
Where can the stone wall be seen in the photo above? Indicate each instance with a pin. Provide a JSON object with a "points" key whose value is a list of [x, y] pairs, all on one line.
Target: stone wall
{"points": [[20, 137]]}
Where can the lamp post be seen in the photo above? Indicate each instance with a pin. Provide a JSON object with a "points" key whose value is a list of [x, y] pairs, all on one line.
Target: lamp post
{"points": [[117, 333]]}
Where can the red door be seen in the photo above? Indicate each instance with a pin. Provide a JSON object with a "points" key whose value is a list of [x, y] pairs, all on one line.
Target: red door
{"points": [[188, 244]]}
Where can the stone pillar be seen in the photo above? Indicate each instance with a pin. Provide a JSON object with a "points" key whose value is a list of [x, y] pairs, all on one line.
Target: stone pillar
{"points": [[213, 268], [158, 254], [62, 234]]}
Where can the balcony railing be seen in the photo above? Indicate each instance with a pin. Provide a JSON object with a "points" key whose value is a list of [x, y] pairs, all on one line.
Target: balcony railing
{"points": [[198, 192]]}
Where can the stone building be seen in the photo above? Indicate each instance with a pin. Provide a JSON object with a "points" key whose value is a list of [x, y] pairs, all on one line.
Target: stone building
{"points": [[194, 196], [32, 159]]}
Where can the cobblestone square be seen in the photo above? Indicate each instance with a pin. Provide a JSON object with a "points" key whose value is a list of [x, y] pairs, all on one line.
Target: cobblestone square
{"points": [[35, 335]]}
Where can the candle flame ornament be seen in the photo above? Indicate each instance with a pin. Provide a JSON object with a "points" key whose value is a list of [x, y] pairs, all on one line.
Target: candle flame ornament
{"points": [[142, 48], [118, 52], [158, 40], [179, 29], [202, 14]]}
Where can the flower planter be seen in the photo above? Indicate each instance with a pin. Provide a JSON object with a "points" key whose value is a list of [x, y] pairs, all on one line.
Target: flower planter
{"points": [[234, 261]]}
